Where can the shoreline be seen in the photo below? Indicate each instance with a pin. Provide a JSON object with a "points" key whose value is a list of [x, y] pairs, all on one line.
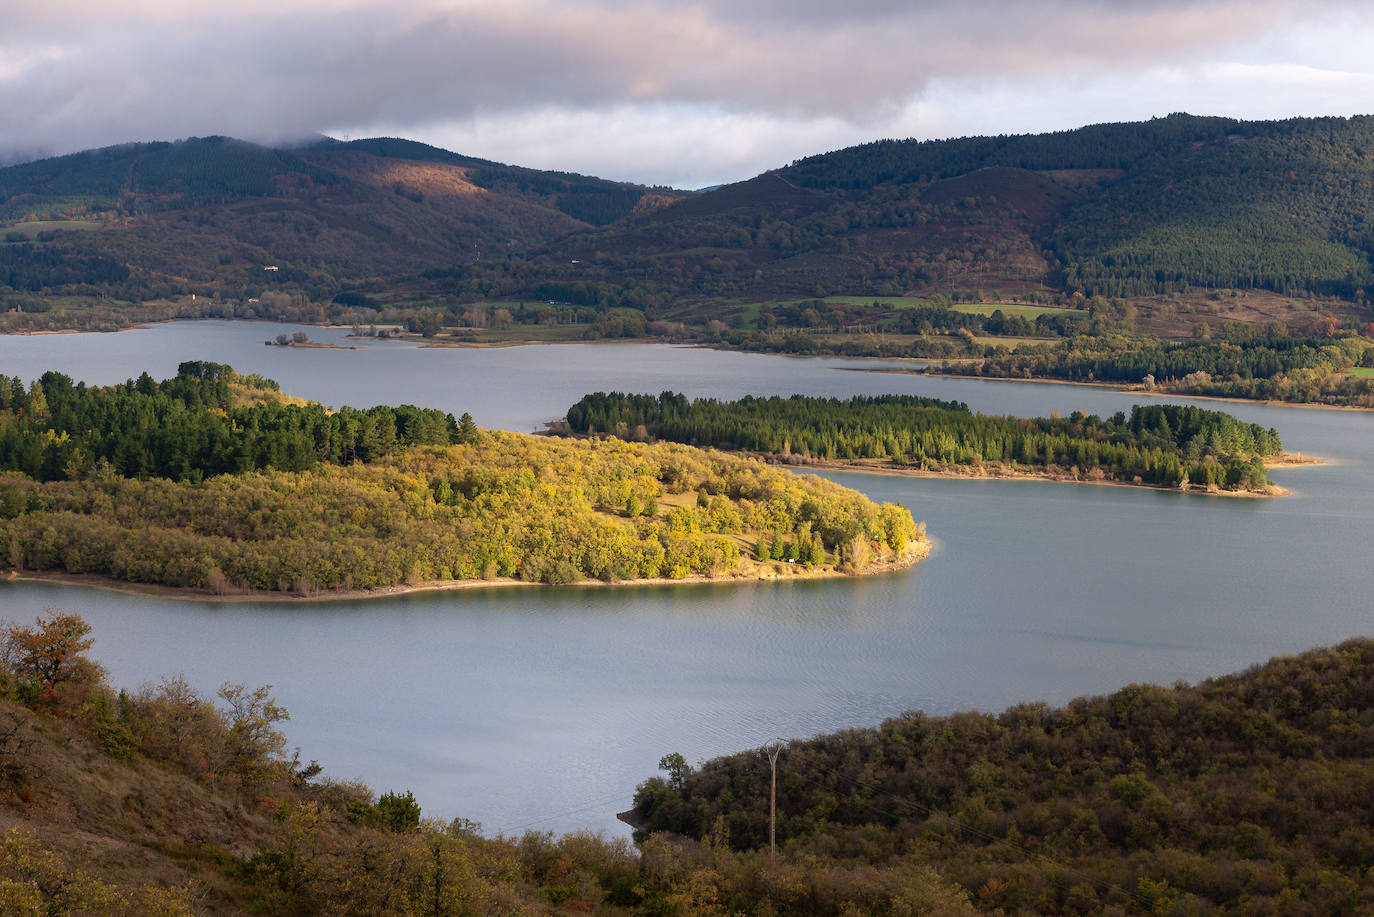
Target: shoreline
{"points": [[1001, 473], [1110, 386], [416, 340], [773, 571]]}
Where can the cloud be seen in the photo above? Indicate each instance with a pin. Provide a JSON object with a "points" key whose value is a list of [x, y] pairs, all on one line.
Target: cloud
{"points": [[77, 73], [682, 146]]}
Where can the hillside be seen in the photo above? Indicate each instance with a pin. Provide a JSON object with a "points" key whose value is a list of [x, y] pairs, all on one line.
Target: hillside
{"points": [[164, 802], [1245, 794], [1192, 218], [1134, 209], [212, 213]]}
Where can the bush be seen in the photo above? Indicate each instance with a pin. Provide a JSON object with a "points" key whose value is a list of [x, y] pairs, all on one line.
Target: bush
{"points": [[399, 812]]}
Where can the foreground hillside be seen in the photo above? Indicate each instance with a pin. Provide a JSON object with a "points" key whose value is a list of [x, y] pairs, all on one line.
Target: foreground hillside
{"points": [[164, 802], [1247, 794], [212, 481]]}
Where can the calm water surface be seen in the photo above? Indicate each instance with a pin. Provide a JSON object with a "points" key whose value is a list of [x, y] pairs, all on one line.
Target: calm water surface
{"points": [[542, 708]]}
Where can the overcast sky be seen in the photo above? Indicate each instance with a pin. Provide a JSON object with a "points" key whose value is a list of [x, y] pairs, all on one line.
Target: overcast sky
{"points": [[660, 92]]}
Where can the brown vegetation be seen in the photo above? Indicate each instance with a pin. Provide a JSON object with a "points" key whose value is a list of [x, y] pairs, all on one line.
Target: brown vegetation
{"points": [[1247, 794], [165, 803]]}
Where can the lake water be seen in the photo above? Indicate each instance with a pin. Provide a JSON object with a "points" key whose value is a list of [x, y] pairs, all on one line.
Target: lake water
{"points": [[542, 708]]}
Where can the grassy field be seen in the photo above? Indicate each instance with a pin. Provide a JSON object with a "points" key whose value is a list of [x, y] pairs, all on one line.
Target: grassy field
{"points": [[517, 335], [1010, 342], [27, 232], [896, 302], [1363, 372], [751, 309], [1011, 308]]}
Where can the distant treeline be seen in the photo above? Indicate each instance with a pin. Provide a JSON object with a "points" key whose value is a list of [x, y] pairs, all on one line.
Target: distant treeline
{"points": [[32, 268], [602, 296], [1247, 794], [933, 315], [193, 426], [1130, 360], [1161, 444], [1297, 369], [928, 318]]}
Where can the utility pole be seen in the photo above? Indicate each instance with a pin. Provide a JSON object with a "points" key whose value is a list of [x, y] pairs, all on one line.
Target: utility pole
{"points": [[773, 749]]}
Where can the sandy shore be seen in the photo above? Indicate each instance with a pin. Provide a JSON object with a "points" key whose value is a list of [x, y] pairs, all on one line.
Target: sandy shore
{"points": [[754, 572]]}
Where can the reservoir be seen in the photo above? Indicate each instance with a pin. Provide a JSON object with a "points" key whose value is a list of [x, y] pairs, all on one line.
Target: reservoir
{"points": [[542, 708]]}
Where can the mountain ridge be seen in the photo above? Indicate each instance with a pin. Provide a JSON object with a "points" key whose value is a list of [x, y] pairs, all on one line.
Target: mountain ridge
{"points": [[1157, 208]]}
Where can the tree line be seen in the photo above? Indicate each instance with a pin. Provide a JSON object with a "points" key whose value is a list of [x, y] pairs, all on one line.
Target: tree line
{"points": [[1259, 365], [195, 425], [1116, 358], [1168, 445], [33, 268]]}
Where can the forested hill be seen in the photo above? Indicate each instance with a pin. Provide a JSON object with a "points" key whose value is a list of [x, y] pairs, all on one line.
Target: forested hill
{"points": [[1121, 146], [1248, 794], [214, 481], [1163, 207], [209, 214], [1113, 209]]}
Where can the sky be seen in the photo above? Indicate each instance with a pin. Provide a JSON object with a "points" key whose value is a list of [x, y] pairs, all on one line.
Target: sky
{"points": [[687, 94]]}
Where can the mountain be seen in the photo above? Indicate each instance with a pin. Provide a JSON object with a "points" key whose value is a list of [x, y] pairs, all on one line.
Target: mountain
{"points": [[1130, 210], [1175, 205], [218, 210]]}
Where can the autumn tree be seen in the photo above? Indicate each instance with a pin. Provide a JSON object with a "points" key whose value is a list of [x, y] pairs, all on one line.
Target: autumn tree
{"points": [[252, 744], [45, 663]]}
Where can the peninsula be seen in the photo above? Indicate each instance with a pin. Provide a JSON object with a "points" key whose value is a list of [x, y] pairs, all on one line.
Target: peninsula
{"points": [[1162, 445], [214, 481]]}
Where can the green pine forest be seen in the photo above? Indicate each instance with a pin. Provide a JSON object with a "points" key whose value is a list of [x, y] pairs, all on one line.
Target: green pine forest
{"points": [[1163, 445], [206, 420]]}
